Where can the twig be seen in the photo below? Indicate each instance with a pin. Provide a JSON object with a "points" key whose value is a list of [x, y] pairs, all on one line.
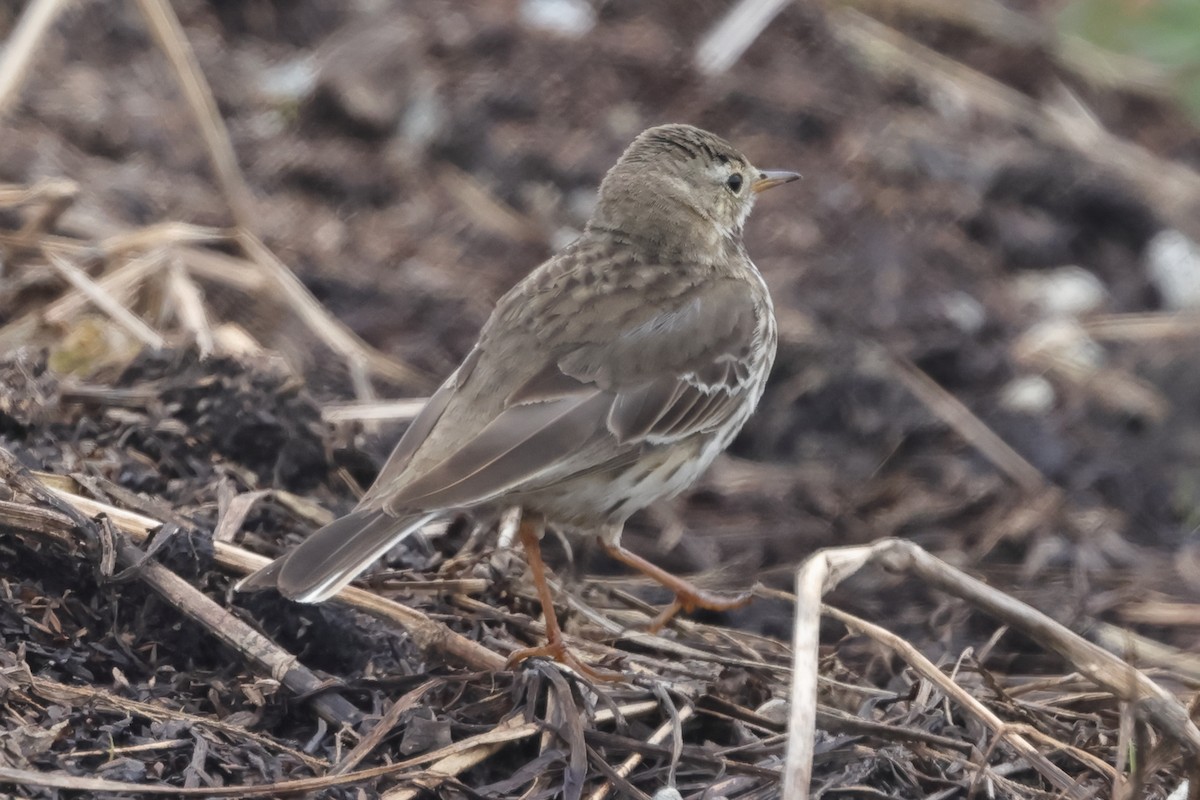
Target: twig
{"points": [[427, 633], [231, 271], [234, 513], [96, 293], [381, 729], [118, 284], [331, 330], [65, 694], [22, 45], [55, 195], [110, 753], [1148, 327], [456, 763], [950, 410], [59, 780], [381, 411], [485, 209], [1102, 667], [189, 304], [997, 22], [626, 767], [168, 33], [825, 569], [724, 44], [241, 638], [47, 189], [44, 523], [273, 660], [160, 235], [1143, 650], [1004, 732], [1173, 187]]}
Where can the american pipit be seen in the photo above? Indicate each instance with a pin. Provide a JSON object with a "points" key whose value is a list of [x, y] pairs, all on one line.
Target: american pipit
{"points": [[610, 377]]}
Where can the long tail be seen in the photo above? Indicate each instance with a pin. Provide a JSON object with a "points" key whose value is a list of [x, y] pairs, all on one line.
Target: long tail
{"points": [[333, 556]]}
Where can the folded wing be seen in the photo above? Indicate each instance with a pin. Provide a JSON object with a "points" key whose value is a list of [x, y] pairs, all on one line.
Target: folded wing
{"points": [[677, 369]]}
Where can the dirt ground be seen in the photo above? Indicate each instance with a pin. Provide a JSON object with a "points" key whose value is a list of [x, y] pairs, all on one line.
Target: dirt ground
{"points": [[975, 353]]}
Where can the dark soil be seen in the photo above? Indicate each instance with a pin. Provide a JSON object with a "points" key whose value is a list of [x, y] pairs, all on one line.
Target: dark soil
{"points": [[904, 243]]}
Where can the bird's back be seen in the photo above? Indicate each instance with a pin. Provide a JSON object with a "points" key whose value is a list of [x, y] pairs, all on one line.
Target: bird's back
{"points": [[598, 319]]}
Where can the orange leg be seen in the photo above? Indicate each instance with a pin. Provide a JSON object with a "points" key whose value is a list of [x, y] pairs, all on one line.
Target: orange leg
{"points": [[687, 596], [532, 526]]}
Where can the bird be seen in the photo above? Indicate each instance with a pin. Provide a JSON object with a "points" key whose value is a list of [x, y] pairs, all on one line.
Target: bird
{"points": [[608, 378]]}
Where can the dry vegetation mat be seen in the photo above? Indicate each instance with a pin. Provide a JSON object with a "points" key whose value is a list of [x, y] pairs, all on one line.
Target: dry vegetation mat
{"points": [[160, 437]]}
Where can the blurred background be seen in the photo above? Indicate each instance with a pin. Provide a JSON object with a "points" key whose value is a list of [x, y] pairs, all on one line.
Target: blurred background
{"points": [[986, 282]]}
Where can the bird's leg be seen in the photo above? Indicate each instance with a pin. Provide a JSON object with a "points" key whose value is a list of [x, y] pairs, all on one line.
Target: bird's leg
{"points": [[688, 597], [531, 529]]}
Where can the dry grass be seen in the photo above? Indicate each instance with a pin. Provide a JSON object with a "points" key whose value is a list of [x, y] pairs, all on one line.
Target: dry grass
{"points": [[715, 710]]}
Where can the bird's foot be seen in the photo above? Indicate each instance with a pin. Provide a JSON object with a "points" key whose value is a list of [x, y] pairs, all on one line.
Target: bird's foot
{"points": [[688, 596], [557, 649], [689, 599]]}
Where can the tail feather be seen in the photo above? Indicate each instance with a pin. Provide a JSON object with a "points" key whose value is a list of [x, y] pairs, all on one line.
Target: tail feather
{"points": [[336, 554]]}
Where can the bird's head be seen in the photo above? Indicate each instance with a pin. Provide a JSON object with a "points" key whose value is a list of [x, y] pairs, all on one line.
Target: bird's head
{"points": [[683, 189]]}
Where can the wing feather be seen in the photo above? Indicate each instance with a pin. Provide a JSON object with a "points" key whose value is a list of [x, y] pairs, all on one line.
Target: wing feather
{"points": [[676, 416], [635, 413], [418, 430], [519, 447], [599, 399], [681, 371]]}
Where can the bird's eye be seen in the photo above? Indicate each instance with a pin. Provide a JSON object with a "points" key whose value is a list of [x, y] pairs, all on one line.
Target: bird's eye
{"points": [[734, 182]]}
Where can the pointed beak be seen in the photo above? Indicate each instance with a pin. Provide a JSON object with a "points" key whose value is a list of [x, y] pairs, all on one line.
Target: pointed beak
{"points": [[773, 177]]}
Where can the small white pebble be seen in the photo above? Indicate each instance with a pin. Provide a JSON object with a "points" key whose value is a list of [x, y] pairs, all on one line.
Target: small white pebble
{"points": [[424, 118], [572, 18], [1063, 292], [964, 311], [668, 793], [1028, 394], [1173, 261], [289, 81]]}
